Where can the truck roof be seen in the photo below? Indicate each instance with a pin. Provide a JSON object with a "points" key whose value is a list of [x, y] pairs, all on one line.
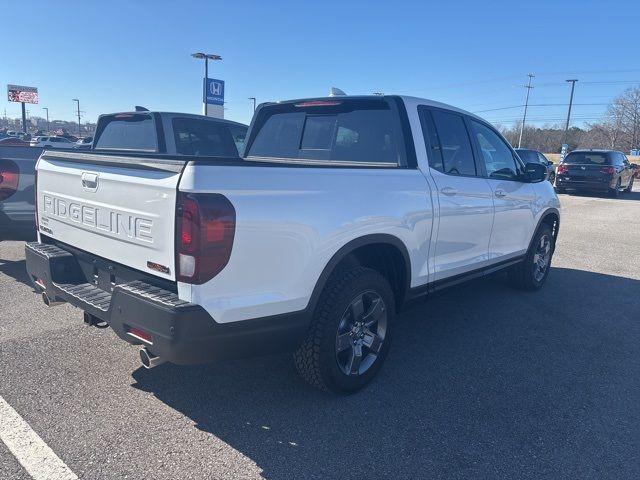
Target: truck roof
{"points": [[175, 114], [406, 99]]}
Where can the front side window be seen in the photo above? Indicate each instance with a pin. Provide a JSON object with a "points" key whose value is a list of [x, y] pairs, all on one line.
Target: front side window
{"points": [[543, 159], [497, 156], [452, 144], [362, 131]]}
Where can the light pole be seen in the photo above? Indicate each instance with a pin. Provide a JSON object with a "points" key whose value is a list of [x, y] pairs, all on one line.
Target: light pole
{"points": [[78, 102], [254, 103], [47, 110], [526, 104], [566, 127], [207, 57]]}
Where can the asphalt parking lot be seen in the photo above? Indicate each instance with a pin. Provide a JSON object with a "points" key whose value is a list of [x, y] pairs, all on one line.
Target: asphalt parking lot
{"points": [[482, 382]]}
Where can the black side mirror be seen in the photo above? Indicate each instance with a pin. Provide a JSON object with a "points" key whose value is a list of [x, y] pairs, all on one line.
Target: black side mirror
{"points": [[535, 172]]}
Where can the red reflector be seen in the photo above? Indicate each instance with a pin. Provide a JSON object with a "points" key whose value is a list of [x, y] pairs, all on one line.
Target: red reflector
{"points": [[140, 334], [317, 103]]}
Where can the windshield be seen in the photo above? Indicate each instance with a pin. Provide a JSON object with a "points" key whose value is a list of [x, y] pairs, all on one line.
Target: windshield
{"points": [[587, 158]]}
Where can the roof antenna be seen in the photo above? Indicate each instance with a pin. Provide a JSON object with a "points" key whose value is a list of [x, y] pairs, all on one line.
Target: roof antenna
{"points": [[336, 92], [141, 109]]}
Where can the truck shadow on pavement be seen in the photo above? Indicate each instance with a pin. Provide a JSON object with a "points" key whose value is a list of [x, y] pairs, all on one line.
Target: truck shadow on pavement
{"points": [[15, 269], [482, 382]]}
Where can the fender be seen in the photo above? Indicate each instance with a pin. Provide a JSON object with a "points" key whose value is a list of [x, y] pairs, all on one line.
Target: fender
{"points": [[350, 247], [547, 212]]}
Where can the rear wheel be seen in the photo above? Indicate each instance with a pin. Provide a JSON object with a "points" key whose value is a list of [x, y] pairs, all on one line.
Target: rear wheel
{"points": [[349, 336], [532, 272]]}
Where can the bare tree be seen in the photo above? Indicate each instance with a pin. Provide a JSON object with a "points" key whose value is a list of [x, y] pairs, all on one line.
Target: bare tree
{"points": [[624, 119]]}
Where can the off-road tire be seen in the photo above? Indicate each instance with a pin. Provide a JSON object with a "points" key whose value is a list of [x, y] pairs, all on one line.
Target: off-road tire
{"points": [[315, 359]]}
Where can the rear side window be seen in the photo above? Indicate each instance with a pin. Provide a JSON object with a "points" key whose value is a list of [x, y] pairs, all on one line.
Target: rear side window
{"points": [[204, 138], [587, 158], [453, 153], [360, 131], [127, 132]]}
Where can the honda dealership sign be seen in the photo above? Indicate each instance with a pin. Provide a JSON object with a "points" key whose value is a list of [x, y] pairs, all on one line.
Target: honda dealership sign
{"points": [[215, 91], [19, 93], [213, 98]]}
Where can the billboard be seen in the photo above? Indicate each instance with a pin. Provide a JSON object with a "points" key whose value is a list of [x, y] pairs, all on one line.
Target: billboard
{"points": [[214, 91], [19, 93]]}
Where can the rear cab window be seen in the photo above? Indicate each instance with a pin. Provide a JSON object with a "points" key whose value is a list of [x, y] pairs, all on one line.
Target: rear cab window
{"points": [[201, 137], [349, 131], [127, 131]]}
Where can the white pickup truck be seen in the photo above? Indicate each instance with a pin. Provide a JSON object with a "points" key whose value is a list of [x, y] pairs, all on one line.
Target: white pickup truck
{"points": [[341, 211]]}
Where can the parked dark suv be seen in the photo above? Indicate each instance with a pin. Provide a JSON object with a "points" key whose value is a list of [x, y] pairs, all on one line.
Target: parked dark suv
{"points": [[528, 155], [605, 171]]}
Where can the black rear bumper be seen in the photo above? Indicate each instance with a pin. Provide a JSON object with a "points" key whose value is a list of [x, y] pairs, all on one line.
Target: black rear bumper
{"points": [[181, 332], [594, 185]]}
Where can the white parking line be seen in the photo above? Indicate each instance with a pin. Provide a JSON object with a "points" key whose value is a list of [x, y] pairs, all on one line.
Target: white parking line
{"points": [[29, 449]]}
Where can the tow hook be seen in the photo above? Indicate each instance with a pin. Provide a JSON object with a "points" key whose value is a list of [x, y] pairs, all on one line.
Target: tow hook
{"points": [[93, 321]]}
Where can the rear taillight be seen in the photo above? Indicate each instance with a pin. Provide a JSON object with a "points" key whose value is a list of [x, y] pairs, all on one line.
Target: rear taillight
{"points": [[608, 170], [206, 225], [9, 176], [562, 169]]}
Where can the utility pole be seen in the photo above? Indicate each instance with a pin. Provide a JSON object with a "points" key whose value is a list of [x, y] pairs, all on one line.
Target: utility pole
{"points": [[254, 103], [79, 130], [526, 105], [566, 127], [47, 109]]}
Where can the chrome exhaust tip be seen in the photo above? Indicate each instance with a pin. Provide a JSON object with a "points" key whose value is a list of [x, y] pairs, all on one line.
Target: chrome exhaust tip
{"points": [[48, 302], [149, 360]]}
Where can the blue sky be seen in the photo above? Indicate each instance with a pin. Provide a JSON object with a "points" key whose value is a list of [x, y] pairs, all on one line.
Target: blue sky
{"points": [[475, 55]]}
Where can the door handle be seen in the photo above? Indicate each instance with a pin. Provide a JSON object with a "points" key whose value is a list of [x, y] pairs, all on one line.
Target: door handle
{"points": [[449, 191], [500, 193]]}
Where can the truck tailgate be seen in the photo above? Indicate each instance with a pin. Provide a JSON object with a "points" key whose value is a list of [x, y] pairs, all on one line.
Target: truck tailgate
{"points": [[117, 207]]}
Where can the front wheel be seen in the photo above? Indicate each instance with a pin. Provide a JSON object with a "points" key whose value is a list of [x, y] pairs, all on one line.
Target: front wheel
{"points": [[349, 335], [532, 272]]}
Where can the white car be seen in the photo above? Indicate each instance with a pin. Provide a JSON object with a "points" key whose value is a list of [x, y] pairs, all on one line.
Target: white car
{"points": [[52, 142], [341, 211]]}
